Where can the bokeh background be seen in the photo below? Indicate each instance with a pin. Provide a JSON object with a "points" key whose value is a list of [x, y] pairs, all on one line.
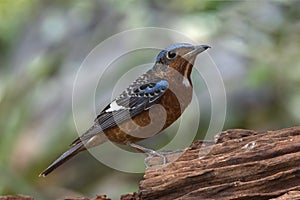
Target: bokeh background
{"points": [[42, 44]]}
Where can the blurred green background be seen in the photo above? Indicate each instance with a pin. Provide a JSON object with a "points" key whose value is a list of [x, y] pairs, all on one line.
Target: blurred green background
{"points": [[42, 43]]}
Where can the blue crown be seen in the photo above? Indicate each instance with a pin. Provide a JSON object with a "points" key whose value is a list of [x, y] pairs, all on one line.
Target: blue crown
{"points": [[170, 48]]}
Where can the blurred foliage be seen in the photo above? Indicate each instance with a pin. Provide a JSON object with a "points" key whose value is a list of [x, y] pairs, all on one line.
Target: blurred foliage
{"points": [[42, 44]]}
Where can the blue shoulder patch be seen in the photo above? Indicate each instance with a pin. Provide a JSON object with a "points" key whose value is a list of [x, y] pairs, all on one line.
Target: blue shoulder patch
{"points": [[171, 47], [158, 87]]}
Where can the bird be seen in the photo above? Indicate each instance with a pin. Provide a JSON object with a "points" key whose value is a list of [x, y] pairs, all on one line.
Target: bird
{"points": [[150, 104]]}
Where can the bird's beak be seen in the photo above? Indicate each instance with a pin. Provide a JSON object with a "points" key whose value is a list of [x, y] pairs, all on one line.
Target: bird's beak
{"points": [[196, 50]]}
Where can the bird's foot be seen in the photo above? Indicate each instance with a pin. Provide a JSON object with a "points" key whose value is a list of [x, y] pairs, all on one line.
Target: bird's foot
{"points": [[162, 154], [152, 153]]}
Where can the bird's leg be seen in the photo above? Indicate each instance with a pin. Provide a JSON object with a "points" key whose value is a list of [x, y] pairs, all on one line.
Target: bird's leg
{"points": [[150, 153]]}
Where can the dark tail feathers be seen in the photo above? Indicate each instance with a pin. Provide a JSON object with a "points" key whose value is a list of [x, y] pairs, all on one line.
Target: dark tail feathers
{"points": [[63, 158]]}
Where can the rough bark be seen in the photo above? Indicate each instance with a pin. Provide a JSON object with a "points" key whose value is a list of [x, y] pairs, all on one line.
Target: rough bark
{"points": [[241, 164]]}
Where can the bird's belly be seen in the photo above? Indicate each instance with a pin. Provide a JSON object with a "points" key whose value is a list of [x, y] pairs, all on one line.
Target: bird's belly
{"points": [[149, 122]]}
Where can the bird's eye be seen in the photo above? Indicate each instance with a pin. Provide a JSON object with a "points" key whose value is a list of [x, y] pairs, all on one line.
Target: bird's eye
{"points": [[171, 54]]}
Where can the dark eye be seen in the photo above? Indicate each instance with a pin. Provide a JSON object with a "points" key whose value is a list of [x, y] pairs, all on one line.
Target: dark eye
{"points": [[171, 54]]}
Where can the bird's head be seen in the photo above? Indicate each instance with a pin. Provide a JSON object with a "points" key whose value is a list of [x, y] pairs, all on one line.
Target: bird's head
{"points": [[180, 57]]}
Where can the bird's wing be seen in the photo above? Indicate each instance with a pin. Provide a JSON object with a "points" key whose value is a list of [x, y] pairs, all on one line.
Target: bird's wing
{"points": [[138, 97]]}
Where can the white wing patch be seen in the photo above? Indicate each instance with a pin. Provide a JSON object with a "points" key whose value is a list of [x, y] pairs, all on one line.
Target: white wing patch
{"points": [[114, 107], [186, 82]]}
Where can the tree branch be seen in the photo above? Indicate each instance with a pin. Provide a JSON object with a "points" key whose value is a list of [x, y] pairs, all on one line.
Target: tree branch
{"points": [[243, 164]]}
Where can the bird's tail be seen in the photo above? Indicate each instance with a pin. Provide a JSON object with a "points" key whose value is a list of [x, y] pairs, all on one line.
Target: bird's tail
{"points": [[63, 158]]}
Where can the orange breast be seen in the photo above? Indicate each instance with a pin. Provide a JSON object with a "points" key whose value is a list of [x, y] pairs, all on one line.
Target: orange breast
{"points": [[152, 121]]}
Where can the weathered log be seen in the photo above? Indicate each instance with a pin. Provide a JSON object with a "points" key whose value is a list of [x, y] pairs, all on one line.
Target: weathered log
{"points": [[242, 164]]}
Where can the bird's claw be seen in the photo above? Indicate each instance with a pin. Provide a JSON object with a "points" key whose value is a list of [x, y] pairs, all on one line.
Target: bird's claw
{"points": [[152, 153], [161, 154]]}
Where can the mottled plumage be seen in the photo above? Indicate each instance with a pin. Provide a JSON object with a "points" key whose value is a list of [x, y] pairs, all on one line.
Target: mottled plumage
{"points": [[150, 104]]}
